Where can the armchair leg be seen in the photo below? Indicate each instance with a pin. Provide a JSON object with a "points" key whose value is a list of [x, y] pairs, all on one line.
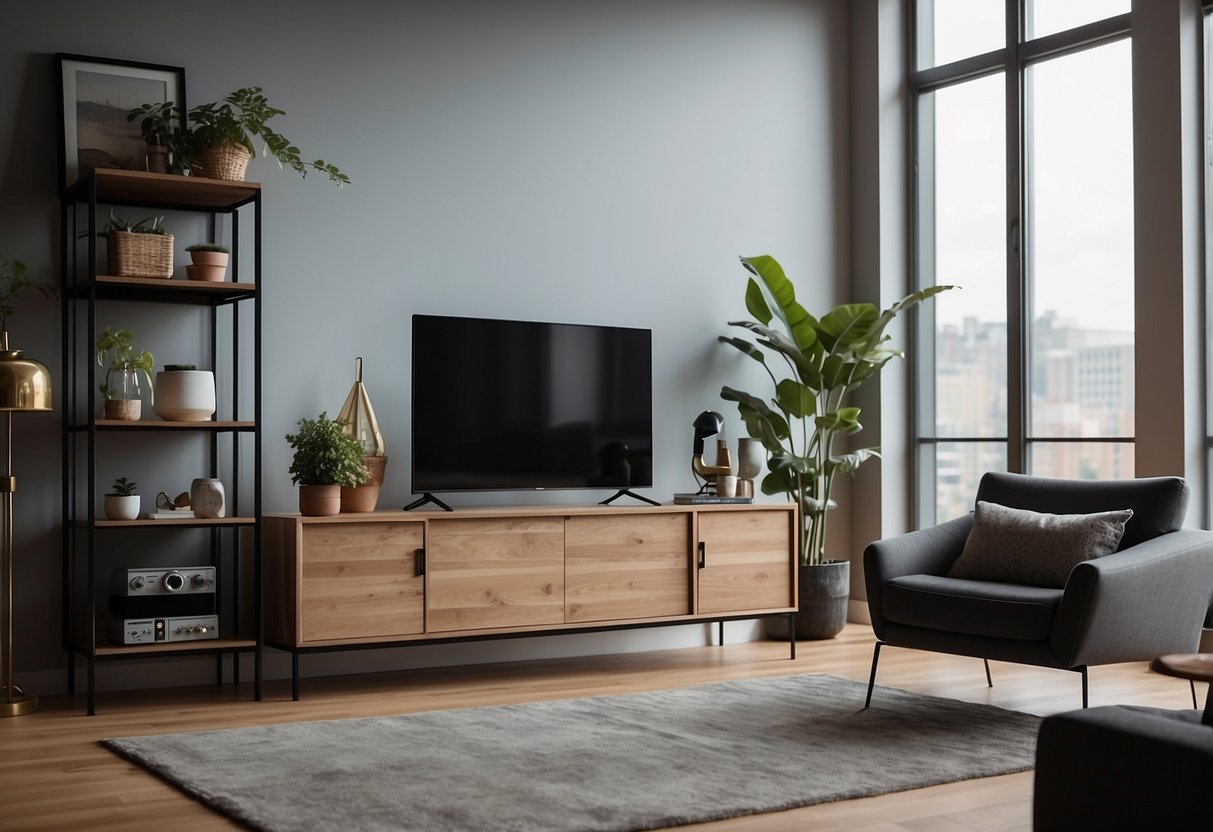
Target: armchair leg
{"points": [[1083, 671], [872, 678], [1192, 685], [989, 679]]}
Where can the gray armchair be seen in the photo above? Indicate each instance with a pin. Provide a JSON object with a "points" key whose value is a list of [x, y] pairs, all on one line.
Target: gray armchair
{"points": [[1148, 598]]}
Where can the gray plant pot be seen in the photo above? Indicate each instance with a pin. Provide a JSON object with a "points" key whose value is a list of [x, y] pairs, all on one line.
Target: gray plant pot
{"points": [[824, 593]]}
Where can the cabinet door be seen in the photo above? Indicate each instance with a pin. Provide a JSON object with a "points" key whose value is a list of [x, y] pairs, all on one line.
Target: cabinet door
{"points": [[746, 561], [360, 580], [506, 572], [627, 566]]}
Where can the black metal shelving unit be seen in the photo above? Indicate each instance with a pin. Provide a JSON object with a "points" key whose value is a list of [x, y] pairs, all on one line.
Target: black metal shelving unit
{"points": [[88, 539]]}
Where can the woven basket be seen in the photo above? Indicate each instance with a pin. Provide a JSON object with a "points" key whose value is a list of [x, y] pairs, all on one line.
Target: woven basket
{"points": [[130, 254], [225, 161]]}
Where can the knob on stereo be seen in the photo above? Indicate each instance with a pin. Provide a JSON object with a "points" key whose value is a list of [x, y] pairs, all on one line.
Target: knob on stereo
{"points": [[173, 581], [198, 581], [137, 583]]}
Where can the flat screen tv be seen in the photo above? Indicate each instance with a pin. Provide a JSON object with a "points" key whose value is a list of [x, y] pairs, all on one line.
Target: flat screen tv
{"points": [[516, 405]]}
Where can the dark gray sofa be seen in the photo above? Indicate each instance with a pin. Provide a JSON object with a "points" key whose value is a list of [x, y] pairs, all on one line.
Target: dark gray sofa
{"points": [[1148, 598]]}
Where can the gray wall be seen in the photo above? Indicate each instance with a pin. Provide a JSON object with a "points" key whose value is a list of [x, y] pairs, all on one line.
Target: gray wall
{"points": [[594, 163]]}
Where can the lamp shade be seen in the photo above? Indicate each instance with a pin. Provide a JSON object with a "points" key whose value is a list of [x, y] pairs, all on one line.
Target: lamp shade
{"points": [[25, 384], [359, 417]]}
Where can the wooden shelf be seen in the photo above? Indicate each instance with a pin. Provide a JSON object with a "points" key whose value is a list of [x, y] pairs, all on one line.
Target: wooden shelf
{"points": [[160, 424], [161, 190], [171, 522], [163, 290], [213, 645]]}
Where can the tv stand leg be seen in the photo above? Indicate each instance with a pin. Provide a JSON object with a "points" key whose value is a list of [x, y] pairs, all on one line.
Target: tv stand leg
{"points": [[427, 497], [624, 492]]}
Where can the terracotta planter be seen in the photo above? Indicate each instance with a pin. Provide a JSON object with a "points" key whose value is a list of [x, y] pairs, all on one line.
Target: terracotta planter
{"points": [[319, 500], [824, 592], [157, 158], [209, 266], [364, 498]]}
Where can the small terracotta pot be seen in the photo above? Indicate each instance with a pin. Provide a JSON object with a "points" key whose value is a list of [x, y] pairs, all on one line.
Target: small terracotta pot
{"points": [[209, 274], [361, 498], [319, 500]]}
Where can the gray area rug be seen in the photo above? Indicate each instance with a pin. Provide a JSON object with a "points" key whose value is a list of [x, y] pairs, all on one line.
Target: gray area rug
{"points": [[629, 762]]}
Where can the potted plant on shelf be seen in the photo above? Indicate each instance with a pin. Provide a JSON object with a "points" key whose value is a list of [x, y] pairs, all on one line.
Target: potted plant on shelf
{"points": [[14, 283], [159, 125], [209, 262], [217, 141], [138, 248], [122, 501], [826, 360], [121, 386], [325, 461]]}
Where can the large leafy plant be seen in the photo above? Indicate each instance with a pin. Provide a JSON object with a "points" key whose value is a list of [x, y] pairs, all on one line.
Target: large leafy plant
{"points": [[826, 359], [324, 455], [14, 283], [240, 118]]}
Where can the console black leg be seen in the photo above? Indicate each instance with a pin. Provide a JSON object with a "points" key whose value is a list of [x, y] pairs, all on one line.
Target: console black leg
{"points": [[989, 678], [872, 678], [295, 676], [720, 627], [792, 634], [1083, 671]]}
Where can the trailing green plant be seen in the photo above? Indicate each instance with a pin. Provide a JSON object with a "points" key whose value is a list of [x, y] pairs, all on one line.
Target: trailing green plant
{"points": [[240, 118], [119, 347], [218, 247], [325, 455], [158, 123], [123, 488], [147, 225], [826, 359], [14, 283]]}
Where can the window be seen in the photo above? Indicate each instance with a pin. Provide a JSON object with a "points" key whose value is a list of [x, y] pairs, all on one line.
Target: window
{"points": [[1023, 195]]}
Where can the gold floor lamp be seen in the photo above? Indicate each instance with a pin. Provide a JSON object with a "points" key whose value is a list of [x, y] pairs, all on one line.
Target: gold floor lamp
{"points": [[25, 386]]}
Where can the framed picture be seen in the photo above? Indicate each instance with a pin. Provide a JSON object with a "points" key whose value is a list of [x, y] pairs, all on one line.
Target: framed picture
{"points": [[95, 94]]}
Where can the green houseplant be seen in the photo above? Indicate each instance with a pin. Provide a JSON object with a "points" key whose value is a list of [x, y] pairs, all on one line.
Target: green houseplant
{"points": [[325, 460], [138, 248], [14, 284], [217, 141], [121, 386], [159, 125], [825, 360]]}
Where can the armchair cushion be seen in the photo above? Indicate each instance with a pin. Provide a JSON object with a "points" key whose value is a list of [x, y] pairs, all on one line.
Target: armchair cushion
{"points": [[979, 608], [1019, 546]]}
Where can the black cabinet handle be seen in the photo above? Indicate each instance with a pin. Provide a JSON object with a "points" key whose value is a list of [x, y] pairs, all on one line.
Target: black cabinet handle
{"points": [[703, 554], [420, 562]]}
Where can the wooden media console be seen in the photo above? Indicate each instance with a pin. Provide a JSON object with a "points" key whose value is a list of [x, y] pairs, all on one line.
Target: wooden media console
{"points": [[393, 578]]}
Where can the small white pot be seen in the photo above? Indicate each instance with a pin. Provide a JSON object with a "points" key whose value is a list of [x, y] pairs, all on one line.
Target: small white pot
{"points": [[207, 498], [121, 507], [185, 395]]}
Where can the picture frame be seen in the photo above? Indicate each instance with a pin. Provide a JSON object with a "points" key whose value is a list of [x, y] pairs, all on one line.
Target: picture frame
{"points": [[95, 95]]}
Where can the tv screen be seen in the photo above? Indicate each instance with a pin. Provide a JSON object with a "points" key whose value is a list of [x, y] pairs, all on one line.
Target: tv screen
{"points": [[514, 405]]}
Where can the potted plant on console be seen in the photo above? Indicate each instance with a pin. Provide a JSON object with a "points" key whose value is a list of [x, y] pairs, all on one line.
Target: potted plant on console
{"points": [[121, 386], [826, 359], [217, 141], [326, 459]]}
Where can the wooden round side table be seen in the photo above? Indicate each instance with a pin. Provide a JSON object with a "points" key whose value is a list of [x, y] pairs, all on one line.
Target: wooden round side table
{"points": [[1195, 667]]}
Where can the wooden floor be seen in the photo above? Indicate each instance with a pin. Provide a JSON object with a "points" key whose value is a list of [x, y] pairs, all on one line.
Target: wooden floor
{"points": [[54, 775]]}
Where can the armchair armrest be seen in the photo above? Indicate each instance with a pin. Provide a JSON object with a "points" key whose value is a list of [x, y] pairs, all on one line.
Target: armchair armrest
{"points": [[1140, 602], [925, 552]]}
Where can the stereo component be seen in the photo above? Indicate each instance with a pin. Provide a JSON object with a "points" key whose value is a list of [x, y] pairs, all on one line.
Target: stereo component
{"points": [[181, 580], [159, 630]]}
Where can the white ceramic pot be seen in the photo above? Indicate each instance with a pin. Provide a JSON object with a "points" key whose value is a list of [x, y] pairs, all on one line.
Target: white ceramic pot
{"points": [[207, 498], [122, 507], [185, 395]]}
